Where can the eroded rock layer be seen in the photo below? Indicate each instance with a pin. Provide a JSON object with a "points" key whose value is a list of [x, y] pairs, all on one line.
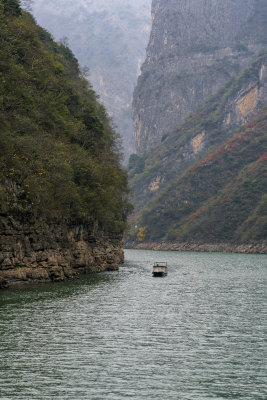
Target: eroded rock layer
{"points": [[31, 251]]}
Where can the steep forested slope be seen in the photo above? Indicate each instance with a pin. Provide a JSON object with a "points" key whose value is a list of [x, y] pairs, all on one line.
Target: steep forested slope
{"points": [[206, 182], [60, 164], [221, 198]]}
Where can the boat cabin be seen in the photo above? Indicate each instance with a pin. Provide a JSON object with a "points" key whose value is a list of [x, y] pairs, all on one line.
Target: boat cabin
{"points": [[160, 268]]}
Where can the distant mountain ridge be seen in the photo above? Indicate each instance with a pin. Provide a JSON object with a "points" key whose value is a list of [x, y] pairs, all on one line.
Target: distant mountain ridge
{"points": [[108, 37]]}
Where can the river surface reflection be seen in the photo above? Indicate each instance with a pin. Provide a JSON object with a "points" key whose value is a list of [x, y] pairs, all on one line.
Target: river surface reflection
{"points": [[196, 334]]}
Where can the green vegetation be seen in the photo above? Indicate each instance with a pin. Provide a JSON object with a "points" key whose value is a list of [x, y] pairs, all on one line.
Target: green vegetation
{"points": [[241, 47], [136, 164], [203, 47], [59, 157]]}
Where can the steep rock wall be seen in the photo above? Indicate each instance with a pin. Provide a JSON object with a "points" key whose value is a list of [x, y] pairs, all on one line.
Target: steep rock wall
{"points": [[31, 251], [216, 122], [195, 47]]}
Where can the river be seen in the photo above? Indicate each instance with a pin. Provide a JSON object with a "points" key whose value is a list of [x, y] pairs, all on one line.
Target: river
{"points": [[197, 334]]}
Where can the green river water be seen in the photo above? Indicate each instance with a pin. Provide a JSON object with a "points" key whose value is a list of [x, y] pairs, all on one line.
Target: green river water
{"points": [[197, 334]]}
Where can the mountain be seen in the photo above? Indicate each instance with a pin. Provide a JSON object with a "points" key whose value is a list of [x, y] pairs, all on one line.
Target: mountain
{"points": [[63, 193], [204, 186], [110, 38], [195, 47]]}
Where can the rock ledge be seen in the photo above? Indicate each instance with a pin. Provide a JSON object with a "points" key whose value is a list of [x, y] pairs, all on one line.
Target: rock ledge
{"points": [[31, 253]]}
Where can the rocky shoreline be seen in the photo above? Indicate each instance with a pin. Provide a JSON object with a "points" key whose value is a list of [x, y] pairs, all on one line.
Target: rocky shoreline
{"points": [[249, 248], [30, 254]]}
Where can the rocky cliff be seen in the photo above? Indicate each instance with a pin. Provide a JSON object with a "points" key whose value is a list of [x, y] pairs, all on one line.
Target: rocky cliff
{"points": [[195, 47], [63, 192], [205, 129], [32, 251], [204, 185]]}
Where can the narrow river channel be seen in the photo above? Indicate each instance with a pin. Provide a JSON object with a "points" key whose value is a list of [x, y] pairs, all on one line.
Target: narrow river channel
{"points": [[197, 334]]}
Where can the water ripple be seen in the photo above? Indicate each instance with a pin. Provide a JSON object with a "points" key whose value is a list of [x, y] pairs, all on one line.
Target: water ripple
{"points": [[198, 334]]}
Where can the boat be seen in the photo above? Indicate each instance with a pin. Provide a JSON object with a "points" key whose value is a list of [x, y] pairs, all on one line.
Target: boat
{"points": [[160, 268]]}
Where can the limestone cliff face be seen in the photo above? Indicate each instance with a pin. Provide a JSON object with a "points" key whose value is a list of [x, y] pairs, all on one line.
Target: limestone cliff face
{"points": [[203, 131], [195, 47], [31, 251]]}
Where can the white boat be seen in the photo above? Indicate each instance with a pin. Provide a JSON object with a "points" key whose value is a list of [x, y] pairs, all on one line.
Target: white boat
{"points": [[160, 268]]}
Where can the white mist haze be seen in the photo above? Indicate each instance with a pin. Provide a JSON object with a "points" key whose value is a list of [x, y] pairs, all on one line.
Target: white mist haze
{"points": [[110, 38]]}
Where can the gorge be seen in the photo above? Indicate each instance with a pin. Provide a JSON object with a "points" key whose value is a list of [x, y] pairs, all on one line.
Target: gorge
{"points": [[109, 38]]}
